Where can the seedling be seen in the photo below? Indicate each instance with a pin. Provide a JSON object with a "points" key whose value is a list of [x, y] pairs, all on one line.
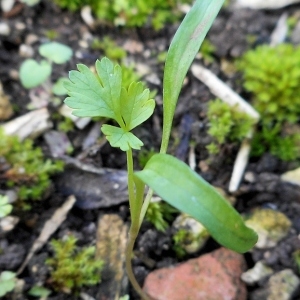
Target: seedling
{"points": [[34, 73], [102, 94], [7, 282], [5, 207]]}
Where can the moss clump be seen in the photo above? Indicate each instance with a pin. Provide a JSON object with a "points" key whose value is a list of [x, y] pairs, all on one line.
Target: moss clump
{"points": [[25, 168], [72, 268], [272, 75], [227, 124], [130, 13]]}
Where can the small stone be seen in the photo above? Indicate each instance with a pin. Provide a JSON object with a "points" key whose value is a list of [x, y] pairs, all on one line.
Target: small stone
{"points": [[270, 225], [196, 234], [213, 276], [281, 286], [4, 29], [31, 39], [258, 272], [292, 176], [26, 51]]}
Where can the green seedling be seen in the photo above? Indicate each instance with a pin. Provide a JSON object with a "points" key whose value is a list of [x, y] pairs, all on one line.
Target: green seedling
{"points": [[7, 282], [71, 267], [5, 207], [34, 73], [227, 124], [28, 171], [39, 291], [102, 94]]}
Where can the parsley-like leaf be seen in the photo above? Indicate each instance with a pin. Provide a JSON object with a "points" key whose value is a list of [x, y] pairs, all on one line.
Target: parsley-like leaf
{"points": [[91, 95], [136, 107], [120, 138]]}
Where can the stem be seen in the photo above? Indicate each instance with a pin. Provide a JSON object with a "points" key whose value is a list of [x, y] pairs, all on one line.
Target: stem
{"points": [[135, 225], [145, 205]]}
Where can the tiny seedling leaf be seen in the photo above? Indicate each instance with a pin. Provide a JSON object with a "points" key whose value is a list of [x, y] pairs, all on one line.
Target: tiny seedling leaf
{"points": [[181, 187], [7, 282], [5, 207], [136, 107], [120, 138], [56, 52], [32, 73], [39, 291]]}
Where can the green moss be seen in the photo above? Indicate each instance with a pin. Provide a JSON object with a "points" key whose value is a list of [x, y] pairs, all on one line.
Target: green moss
{"points": [[227, 124], [159, 214], [128, 12], [71, 267], [28, 170], [272, 75]]}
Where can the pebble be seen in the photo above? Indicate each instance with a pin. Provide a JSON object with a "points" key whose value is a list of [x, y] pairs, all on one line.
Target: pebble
{"points": [[4, 29], [26, 51], [211, 276], [270, 225], [257, 273]]}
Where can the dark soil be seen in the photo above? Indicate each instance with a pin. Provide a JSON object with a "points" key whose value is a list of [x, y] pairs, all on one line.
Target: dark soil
{"points": [[154, 249]]}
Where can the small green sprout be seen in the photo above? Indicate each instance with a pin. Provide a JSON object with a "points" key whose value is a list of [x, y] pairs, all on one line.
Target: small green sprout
{"points": [[104, 95], [71, 268], [7, 282], [5, 207], [39, 291], [34, 73]]}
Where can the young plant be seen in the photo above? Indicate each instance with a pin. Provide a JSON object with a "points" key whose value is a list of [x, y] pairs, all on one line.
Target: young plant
{"points": [[34, 73], [7, 282], [72, 268], [5, 207], [102, 94]]}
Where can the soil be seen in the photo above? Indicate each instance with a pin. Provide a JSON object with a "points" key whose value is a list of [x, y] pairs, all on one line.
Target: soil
{"points": [[230, 36]]}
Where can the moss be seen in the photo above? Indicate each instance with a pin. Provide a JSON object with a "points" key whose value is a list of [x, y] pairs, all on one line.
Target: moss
{"points": [[272, 75], [27, 169], [71, 267], [227, 124]]}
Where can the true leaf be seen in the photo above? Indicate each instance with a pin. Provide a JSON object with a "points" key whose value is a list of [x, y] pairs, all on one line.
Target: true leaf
{"points": [[120, 138], [136, 107], [56, 52], [32, 73], [91, 96], [183, 49], [177, 184]]}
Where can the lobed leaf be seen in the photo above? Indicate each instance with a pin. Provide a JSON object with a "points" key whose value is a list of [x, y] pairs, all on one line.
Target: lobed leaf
{"points": [[136, 107], [177, 184], [120, 138], [93, 95]]}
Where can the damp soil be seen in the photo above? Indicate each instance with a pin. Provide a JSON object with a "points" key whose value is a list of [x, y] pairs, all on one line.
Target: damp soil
{"points": [[230, 35]]}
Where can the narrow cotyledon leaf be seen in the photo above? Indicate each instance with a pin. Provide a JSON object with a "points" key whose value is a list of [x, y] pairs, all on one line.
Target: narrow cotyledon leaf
{"points": [[183, 49], [181, 187]]}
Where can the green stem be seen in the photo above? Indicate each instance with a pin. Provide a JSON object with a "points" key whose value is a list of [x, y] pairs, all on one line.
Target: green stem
{"points": [[145, 205], [135, 225]]}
